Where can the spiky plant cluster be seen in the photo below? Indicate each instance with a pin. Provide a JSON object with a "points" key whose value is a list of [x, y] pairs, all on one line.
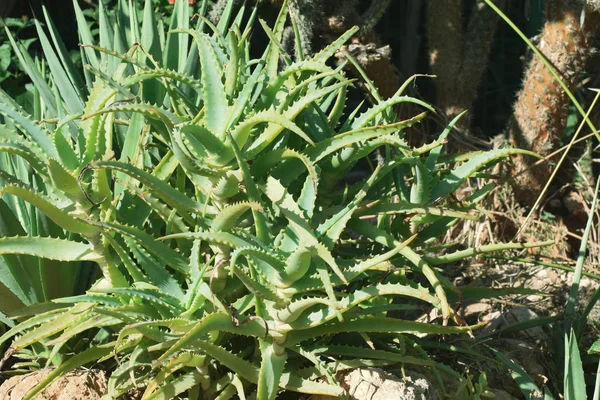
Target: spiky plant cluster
{"points": [[240, 245], [458, 51], [542, 105]]}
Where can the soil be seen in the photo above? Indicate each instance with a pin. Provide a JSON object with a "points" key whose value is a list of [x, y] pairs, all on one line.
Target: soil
{"points": [[77, 385]]}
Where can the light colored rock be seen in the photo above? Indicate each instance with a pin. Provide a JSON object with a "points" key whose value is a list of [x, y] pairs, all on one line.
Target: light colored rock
{"points": [[77, 385], [376, 384], [475, 309], [499, 320]]}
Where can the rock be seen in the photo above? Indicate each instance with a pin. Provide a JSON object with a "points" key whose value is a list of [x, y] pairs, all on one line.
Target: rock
{"points": [[77, 385], [499, 320], [376, 384]]}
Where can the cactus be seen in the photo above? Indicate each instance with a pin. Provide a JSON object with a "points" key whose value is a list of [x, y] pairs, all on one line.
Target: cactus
{"points": [[542, 105], [459, 55]]}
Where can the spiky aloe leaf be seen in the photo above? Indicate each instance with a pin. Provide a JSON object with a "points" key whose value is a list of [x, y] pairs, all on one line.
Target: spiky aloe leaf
{"points": [[334, 46], [273, 358], [217, 238], [167, 193], [331, 229], [330, 145], [216, 321], [242, 131], [215, 100], [227, 218], [164, 253], [453, 180], [205, 145], [69, 94], [77, 313], [22, 150], [374, 324], [50, 248], [57, 214], [33, 131]]}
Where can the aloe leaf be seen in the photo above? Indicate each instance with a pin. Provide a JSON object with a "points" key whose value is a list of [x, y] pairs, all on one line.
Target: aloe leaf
{"points": [[409, 208], [330, 230], [61, 217], [63, 321], [63, 54], [282, 199], [24, 151], [170, 217], [490, 248], [453, 180], [163, 252], [272, 52], [274, 41], [66, 153], [330, 145], [232, 69], [92, 126], [384, 238], [242, 131], [252, 191], [368, 116], [205, 145], [244, 99], [133, 270], [299, 67], [106, 36], [373, 324], [154, 296], [217, 238], [216, 321], [156, 73], [271, 369], [151, 112], [434, 154], [359, 352], [127, 57], [523, 381], [334, 46], [215, 100], [228, 217], [421, 188], [50, 248], [296, 318], [36, 319], [275, 263], [273, 131], [268, 160], [308, 197], [90, 322], [258, 289], [293, 310], [33, 71], [168, 194], [177, 386], [69, 95], [85, 36], [153, 91], [32, 130], [574, 380]]}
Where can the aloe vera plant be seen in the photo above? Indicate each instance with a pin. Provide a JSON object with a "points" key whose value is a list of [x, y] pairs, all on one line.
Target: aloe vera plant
{"points": [[210, 189]]}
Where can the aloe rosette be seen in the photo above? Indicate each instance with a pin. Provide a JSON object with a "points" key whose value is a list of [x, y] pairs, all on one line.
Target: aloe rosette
{"points": [[210, 189]]}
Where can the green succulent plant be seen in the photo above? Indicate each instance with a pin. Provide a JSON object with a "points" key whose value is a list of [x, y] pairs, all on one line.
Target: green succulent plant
{"points": [[212, 190]]}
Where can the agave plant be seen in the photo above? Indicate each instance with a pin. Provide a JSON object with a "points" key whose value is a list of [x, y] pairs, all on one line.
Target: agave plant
{"points": [[211, 190]]}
